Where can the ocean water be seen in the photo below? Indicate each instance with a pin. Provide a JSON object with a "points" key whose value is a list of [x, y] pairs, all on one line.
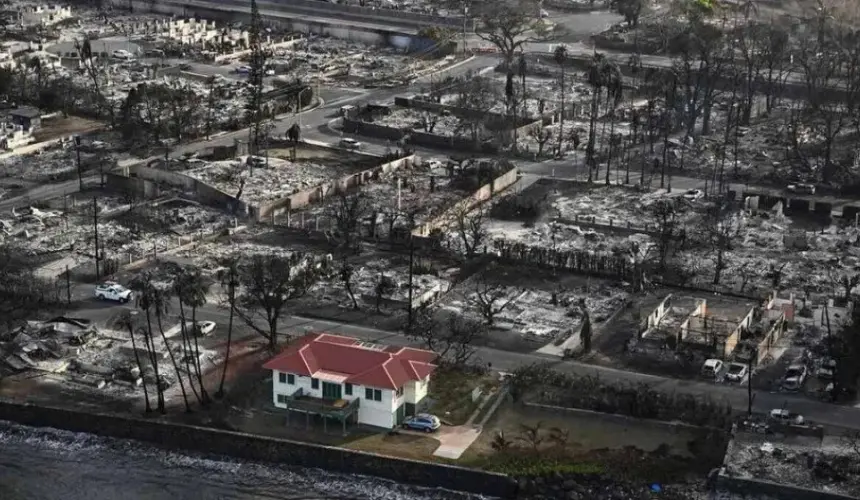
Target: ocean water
{"points": [[49, 464]]}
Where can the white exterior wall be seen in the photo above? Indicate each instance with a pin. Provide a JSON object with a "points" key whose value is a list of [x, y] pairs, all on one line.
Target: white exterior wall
{"points": [[376, 413], [416, 391]]}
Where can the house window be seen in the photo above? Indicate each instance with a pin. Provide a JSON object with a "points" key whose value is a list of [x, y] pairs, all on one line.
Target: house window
{"points": [[282, 378], [291, 379], [368, 394], [282, 398], [377, 395], [347, 389], [315, 384], [399, 391]]}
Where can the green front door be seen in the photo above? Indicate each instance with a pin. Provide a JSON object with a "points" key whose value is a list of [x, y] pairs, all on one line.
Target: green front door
{"points": [[331, 391], [401, 414]]}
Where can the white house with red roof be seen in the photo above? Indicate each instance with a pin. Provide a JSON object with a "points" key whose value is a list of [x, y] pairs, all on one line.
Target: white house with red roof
{"points": [[337, 376]]}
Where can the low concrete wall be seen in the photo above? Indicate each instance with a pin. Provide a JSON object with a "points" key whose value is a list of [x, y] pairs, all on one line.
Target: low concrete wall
{"points": [[483, 194], [421, 139], [201, 191], [318, 193], [252, 447]]}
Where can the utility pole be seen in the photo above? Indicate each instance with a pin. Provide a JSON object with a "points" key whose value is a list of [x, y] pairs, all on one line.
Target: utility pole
{"points": [[411, 260], [96, 232], [465, 20], [68, 287], [77, 140], [749, 382]]}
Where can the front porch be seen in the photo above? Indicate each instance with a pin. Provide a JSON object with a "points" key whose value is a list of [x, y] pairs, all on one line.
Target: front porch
{"points": [[327, 408]]}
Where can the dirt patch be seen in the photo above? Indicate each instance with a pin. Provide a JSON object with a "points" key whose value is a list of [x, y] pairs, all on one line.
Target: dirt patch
{"points": [[53, 128], [583, 434]]}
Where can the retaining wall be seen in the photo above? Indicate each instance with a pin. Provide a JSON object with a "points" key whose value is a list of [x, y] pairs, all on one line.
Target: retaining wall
{"points": [[318, 193], [483, 194], [252, 447], [201, 191]]}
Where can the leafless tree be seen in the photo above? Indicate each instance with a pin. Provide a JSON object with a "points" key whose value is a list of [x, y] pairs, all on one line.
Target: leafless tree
{"points": [[509, 25], [490, 299], [541, 135], [668, 228], [450, 336], [722, 228], [268, 284], [470, 230], [429, 120], [845, 278]]}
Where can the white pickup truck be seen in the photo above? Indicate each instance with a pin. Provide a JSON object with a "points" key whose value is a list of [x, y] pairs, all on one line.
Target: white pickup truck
{"points": [[113, 291]]}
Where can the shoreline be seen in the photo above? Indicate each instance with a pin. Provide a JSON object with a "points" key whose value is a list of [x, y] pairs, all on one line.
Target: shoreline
{"points": [[199, 439]]}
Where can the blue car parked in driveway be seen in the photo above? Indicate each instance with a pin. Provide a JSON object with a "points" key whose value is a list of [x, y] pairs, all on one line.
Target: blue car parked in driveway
{"points": [[422, 422]]}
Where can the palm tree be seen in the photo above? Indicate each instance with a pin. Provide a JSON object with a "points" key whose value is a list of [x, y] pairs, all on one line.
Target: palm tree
{"points": [[128, 322], [178, 288], [602, 74], [194, 296], [159, 303], [560, 57], [146, 300], [229, 277]]}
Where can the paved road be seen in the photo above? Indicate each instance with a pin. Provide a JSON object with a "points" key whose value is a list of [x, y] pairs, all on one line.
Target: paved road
{"points": [[834, 416]]}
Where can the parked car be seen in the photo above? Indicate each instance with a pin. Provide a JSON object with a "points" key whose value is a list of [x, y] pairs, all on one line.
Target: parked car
{"points": [[270, 72], [712, 368], [794, 378], [202, 328], [802, 188], [422, 422], [243, 70], [694, 194], [737, 372], [110, 290], [348, 143], [122, 54], [784, 416]]}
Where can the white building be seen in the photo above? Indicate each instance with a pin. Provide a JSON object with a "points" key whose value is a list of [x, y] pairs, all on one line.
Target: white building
{"points": [[44, 15], [341, 377]]}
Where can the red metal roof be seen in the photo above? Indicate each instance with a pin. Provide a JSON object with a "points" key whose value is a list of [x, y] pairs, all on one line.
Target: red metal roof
{"points": [[386, 367]]}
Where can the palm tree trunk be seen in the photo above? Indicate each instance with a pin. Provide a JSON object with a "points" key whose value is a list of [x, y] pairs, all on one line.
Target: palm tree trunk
{"points": [[153, 359], [589, 148], [203, 393], [173, 360], [186, 350], [561, 114], [231, 297], [611, 133], [139, 368]]}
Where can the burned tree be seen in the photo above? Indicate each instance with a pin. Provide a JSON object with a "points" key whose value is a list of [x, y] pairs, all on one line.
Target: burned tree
{"points": [[470, 230], [722, 228], [509, 25], [669, 231], [228, 277], [450, 336], [490, 299], [267, 284], [347, 211], [541, 136]]}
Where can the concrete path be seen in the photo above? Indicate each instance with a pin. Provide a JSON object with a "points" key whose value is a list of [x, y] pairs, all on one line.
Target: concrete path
{"points": [[454, 441]]}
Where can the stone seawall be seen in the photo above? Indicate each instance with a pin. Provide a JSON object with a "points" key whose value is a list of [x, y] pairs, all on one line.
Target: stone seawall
{"points": [[259, 448]]}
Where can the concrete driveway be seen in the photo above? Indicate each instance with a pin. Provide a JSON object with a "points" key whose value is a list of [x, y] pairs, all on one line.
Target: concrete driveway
{"points": [[453, 440]]}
